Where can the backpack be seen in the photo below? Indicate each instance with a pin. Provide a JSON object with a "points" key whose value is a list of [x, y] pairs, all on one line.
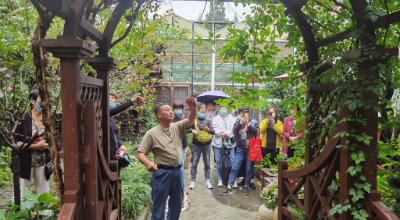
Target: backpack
{"points": [[203, 136]]}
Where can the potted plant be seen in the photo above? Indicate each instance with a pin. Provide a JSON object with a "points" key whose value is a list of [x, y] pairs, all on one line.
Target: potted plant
{"points": [[269, 194]]}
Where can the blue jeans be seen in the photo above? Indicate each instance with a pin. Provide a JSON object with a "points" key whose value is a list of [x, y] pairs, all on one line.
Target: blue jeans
{"points": [[166, 183], [218, 157], [182, 170], [196, 152], [242, 155]]}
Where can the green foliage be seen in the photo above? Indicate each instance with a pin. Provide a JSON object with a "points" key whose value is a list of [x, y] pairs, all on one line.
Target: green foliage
{"points": [[5, 171], [136, 190], [31, 207], [270, 195], [388, 178]]}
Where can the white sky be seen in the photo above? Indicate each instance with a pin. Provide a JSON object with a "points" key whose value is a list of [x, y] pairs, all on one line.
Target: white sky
{"points": [[191, 10]]}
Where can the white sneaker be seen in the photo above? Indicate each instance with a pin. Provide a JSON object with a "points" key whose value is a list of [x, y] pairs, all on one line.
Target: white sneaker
{"points": [[192, 185], [208, 184], [220, 183], [235, 184]]}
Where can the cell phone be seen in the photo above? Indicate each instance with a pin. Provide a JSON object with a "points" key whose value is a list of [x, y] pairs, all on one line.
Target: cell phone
{"points": [[246, 114]]}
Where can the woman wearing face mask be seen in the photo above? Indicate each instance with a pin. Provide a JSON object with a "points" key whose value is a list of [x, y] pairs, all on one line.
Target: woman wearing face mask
{"points": [[271, 129], [223, 126], [201, 147], [33, 158]]}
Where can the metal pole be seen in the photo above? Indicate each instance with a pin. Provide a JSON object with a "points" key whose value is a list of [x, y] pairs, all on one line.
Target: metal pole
{"points": [[213, 49], [192, 57]]}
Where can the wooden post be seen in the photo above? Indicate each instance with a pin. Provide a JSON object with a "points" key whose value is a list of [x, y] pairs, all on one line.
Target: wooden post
{"points": [[70, 51]]}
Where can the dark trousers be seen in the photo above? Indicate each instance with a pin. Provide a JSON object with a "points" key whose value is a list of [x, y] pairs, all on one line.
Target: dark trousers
{"points": [[273, 153], [166, 183], [290, 151]]}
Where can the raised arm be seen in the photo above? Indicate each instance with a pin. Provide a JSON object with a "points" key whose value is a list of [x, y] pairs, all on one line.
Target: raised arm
{"points": [[120, 108], [192, 112]]}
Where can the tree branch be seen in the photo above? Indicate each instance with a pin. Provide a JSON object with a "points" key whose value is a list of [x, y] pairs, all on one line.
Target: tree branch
{"points": [[326, 7], [338, 37], [387, 20], [134, 15]]}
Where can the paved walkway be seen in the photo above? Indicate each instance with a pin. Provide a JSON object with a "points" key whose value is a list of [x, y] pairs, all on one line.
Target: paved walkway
{"points": [[209, 204]]}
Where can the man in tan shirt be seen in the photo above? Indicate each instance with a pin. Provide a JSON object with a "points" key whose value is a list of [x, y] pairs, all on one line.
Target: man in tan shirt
{"points": [[165, 141]]}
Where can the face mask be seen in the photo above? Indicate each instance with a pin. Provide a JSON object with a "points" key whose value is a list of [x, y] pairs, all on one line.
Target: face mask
{"points": [[112, 105], [201, 116], [223, 112], [178, 112], [273, 115], [38, 107], [238, 118]]}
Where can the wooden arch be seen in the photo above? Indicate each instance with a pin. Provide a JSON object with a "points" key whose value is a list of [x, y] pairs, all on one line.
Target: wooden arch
{"points": [[92, 187], [326, 162]]}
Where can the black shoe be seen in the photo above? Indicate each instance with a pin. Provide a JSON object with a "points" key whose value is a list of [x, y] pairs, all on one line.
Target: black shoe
{"points": [[252, 185], [246, 190], [227, 192], [241, 182]]}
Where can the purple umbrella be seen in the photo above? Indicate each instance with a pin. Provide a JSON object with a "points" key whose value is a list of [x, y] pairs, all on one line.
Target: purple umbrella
{"points": [[211, 96]]}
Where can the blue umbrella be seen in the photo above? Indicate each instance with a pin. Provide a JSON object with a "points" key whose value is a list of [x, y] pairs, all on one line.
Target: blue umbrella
{"points": [[211, 96]]}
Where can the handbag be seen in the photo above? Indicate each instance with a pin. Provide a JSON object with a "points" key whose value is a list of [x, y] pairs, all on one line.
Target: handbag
{"points": [[203, 136], [255, 148]]}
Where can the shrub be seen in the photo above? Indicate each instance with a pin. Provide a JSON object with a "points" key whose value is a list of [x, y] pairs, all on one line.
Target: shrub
{"points": [[5, 171], [136, 190]]}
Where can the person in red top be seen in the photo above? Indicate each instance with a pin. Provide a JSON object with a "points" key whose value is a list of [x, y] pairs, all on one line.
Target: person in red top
{"points": [[290, 134]]}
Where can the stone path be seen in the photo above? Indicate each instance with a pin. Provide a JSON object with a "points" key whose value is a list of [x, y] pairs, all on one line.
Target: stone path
{"points": [[209, 204]]}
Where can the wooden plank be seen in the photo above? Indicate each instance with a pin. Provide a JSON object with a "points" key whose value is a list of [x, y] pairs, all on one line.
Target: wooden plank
{"points": [[381, 210], [87, 28], [64, 10], [86, 80], [90, 169], [67, 212]]}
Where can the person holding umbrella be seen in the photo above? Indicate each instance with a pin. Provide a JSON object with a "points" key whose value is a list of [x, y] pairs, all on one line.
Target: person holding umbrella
{"points": [[223, 138]]}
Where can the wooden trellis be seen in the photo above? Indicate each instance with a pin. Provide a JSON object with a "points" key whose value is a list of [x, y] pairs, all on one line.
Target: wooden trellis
{"points": [[326, 162], [92, 187]]}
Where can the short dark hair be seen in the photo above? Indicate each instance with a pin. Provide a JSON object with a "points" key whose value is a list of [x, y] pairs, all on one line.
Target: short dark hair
{"points": [[178, 104], [113, 94], [157, 107], [34, 94], [242, 109]]}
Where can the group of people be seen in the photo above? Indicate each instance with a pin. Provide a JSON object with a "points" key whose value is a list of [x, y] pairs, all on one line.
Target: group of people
{"points": [[220, 131], [225, 133]]}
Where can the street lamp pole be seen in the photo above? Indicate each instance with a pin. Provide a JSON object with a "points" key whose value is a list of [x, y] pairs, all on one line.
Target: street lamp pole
{"points": [[213, 48]]}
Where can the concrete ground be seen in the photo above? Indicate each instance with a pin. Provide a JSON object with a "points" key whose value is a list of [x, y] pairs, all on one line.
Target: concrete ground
{"points": [[209, 204]]}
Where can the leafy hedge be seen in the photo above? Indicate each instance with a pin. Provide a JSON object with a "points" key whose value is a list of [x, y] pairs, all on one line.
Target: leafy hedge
{"points": [[136, 190]]}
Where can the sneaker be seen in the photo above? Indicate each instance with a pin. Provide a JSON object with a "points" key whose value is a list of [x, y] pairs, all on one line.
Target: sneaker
{"points": [[252, 185], [226, 192], [246, 190], [235, 184], [220, 183], [208, 184], [192, 184]]}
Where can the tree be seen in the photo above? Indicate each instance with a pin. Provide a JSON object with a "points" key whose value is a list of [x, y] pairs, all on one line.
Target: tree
{"points": [[216, 13]]}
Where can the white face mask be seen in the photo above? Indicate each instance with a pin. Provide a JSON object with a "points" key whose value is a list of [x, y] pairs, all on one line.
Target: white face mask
{"points": [[273, 115]]}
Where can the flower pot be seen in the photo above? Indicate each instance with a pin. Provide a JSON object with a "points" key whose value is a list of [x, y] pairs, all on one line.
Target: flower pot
{"points": [[265, 213]]}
